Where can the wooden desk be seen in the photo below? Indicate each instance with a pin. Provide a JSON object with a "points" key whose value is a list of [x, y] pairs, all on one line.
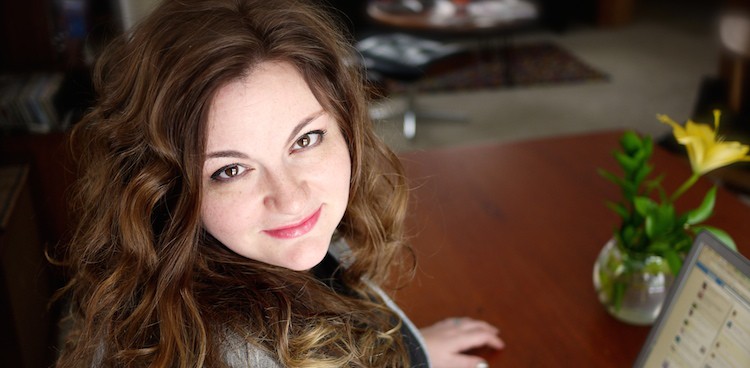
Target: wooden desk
{"points": [[509, 234]]}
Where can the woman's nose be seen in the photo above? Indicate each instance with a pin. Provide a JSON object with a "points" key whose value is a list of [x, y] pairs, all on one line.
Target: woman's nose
{"points": [[286, 192]]}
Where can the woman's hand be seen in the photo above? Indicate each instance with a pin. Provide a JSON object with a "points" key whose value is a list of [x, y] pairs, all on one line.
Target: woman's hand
{"points": [[447, 339]]}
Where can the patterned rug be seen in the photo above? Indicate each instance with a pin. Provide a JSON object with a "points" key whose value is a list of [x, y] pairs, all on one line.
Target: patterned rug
{"points": [[530, 64]]}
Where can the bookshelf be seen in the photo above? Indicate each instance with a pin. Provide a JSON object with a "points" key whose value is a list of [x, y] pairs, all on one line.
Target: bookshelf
{"points": [[46, 52], [50, 175]]}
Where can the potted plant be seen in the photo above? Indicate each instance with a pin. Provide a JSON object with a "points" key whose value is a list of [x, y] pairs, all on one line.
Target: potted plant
{"points": [[636, 267]]}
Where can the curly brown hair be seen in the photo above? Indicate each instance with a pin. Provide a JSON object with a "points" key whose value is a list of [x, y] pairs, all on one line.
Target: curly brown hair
{"points": [[148, 286]]}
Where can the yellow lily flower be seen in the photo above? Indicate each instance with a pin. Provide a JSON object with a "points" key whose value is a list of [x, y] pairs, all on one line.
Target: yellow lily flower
{"points": [[706, 150]]}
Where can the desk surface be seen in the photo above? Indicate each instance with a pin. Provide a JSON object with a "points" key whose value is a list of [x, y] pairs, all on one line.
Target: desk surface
{"points": [[509, 233]]}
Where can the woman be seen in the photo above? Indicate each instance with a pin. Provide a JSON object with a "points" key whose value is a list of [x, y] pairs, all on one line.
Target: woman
{"points": [[233, 155]]}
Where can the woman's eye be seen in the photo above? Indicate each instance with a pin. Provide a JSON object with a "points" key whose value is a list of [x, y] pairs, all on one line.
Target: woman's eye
{"points": [[228, 172], [308, 140]]}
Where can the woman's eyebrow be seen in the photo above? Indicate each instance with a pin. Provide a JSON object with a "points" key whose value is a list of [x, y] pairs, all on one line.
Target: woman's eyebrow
{"points": [[220, 154], [309, 119]]}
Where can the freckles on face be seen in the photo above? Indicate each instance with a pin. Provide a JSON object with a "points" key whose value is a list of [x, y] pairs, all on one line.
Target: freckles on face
{"points": [[277, 169]]}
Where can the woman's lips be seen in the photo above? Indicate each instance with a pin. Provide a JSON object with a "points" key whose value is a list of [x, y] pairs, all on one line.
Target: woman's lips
{"points": [[296, 230]]}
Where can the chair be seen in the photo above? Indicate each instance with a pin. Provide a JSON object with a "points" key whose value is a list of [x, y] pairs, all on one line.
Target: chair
{"points": [[406, 58]]}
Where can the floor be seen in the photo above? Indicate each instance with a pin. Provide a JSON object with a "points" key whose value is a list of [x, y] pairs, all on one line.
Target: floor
{"points": [[655, 65]]}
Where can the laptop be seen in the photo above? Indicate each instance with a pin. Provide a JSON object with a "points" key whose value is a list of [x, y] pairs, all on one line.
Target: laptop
{"points": [[705, 321]]}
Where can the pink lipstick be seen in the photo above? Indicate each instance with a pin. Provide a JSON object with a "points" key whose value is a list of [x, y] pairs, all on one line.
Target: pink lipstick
{"points": [[296, 230]]}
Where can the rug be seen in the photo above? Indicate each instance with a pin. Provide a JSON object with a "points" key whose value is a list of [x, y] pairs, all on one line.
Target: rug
{"points": [[541, 63]]}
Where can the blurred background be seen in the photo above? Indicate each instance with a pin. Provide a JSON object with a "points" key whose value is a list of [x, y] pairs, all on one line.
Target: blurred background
{"points": [[495, 70]]}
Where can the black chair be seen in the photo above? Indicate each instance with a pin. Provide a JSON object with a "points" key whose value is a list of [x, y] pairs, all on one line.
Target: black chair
{"points": [[406, 58]]}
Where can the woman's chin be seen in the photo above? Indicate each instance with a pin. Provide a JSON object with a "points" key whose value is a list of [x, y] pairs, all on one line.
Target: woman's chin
{"points": [[305, 256], [305, 262]]}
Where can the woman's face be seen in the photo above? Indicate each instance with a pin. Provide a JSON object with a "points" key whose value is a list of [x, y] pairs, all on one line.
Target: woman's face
{"points": [[277, 169]]}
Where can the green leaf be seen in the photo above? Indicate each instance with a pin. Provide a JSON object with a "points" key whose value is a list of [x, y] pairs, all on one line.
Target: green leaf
{"points": [[627, 163], [683, 245], [648, 146], [626, 236], [660, 221], [630, 142], [654, 183], [619, 209], [658, 247], [674, 261], [644, 205], [611, 177], [681, 220], [719, 234], [629, 191], [703, 211], [640, 157], [641, 174]]}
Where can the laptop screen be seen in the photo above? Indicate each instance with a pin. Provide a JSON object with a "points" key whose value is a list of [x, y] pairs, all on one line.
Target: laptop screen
{"points": [[706, 318]]}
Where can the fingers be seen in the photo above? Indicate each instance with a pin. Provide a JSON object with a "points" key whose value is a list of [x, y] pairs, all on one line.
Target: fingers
{"points": [[447, 339], [466, 333], [474, 333], [466, 324]]}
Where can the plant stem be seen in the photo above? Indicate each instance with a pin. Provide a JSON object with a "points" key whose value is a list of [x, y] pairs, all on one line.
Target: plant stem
{"points": [[684, 187]]}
